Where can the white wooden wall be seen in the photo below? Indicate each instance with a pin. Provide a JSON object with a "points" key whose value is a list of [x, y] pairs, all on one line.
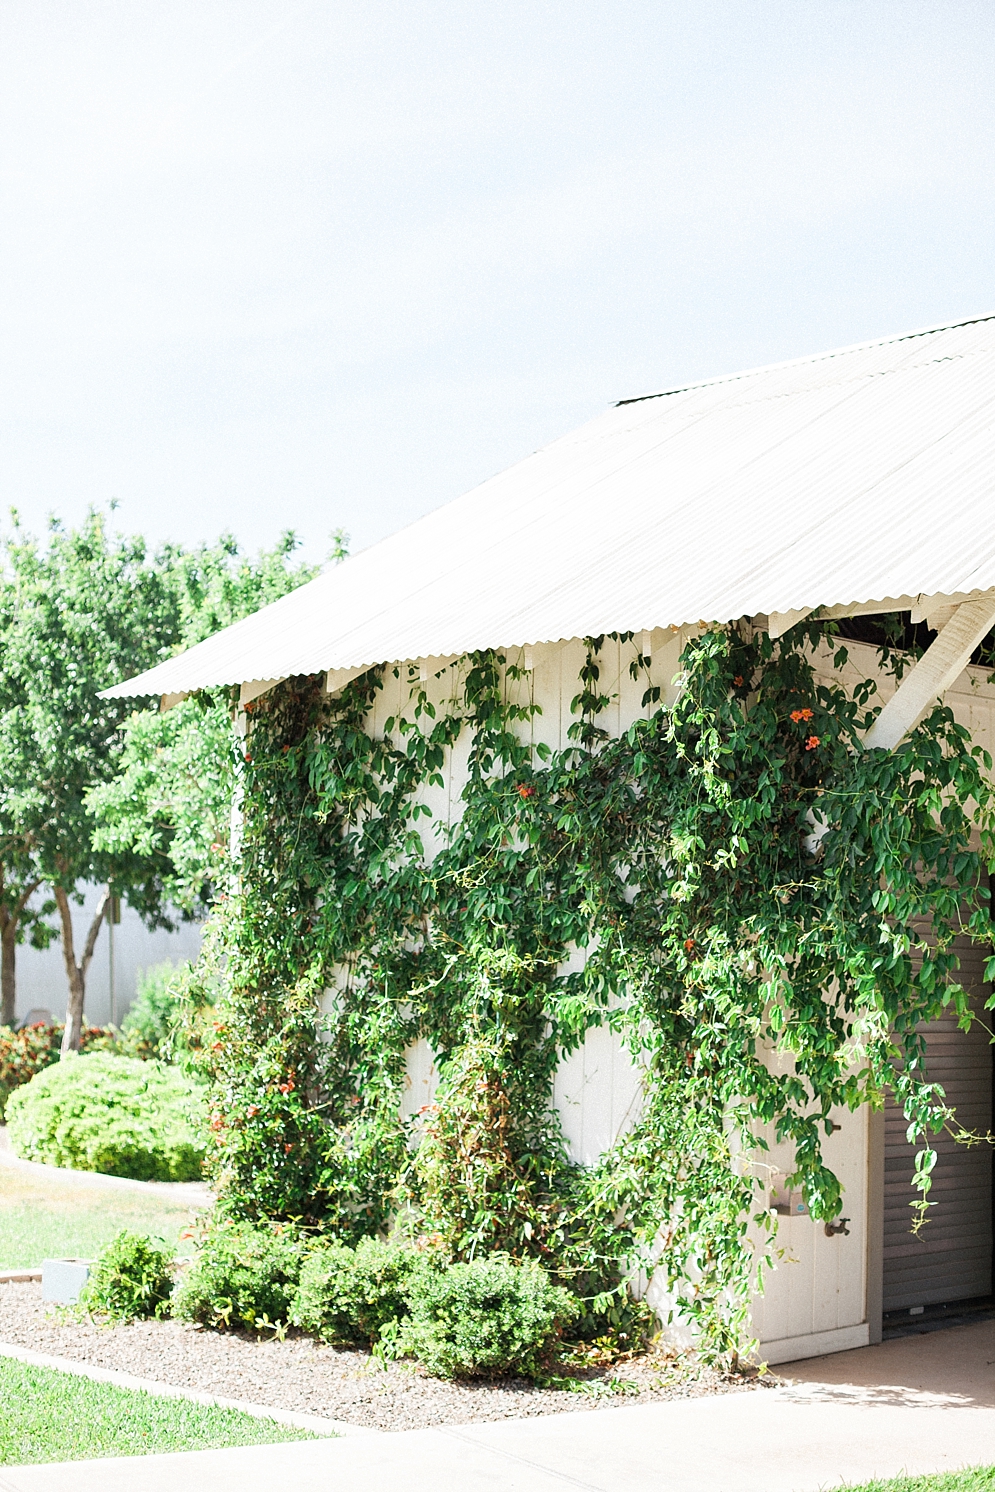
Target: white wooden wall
{"points": [[815, 1300]]}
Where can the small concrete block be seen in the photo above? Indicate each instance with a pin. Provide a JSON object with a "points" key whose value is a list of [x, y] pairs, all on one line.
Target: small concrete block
{"points": [[63, 1279]]}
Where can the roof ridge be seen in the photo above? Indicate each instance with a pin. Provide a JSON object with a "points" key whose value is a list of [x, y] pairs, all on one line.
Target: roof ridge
{"points": [[811, 357]]}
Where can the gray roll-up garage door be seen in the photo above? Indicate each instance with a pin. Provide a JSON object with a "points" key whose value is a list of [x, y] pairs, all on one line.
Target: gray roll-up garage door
{"points": [[952, 1258]]}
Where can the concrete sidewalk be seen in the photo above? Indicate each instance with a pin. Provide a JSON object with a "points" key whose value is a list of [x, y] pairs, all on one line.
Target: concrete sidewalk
{"points": [[916, 1405], [196, 1193]]}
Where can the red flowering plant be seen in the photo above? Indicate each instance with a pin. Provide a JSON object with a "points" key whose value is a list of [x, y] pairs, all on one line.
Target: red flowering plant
{"points": [[31, 1049], [679, 857]]}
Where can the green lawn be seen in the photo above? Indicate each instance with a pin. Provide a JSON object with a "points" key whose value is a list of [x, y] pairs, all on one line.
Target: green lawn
{"points": [[58, 1217], [976, 1479], [53, 1416]]}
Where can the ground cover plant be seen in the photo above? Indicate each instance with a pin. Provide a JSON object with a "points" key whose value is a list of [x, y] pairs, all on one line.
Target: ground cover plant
{"points": [[723, 865], [131, 1277], [56, 1216], [241, 1276], [54, 1416], [118, 1115]]}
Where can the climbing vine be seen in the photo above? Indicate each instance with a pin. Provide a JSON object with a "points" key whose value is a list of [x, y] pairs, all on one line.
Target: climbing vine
{"points": [[739, 877]]}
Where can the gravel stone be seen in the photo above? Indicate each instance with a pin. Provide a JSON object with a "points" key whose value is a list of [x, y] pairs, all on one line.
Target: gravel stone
{"points": [[299, 1373]]}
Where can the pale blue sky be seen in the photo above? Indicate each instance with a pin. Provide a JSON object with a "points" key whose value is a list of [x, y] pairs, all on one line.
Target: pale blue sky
{"points": [[317, 264]]}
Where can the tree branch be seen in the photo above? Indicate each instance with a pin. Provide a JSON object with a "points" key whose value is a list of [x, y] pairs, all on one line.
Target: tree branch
{"points": [[92, 935], [23, 900], [68, 946]]}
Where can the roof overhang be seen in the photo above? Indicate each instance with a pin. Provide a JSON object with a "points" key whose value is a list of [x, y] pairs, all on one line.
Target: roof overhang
{"points": [[850, 483]]}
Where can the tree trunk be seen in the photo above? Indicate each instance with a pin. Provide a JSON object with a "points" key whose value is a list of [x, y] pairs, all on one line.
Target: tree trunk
{"points": [[76, 970], [8, 970], [9, 921]]}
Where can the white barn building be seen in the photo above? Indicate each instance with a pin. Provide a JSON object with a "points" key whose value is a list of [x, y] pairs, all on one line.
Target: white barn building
{"points": [[859, 481]]}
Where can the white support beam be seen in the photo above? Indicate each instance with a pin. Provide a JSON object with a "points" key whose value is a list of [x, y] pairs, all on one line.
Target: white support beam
{"points": [[935, 613], [255, 689], [338, 678], [169, 700], [932, 676]]}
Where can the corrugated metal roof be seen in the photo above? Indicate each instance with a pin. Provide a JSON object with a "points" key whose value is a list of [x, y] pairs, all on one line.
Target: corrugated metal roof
{"points": [[848, 477]]}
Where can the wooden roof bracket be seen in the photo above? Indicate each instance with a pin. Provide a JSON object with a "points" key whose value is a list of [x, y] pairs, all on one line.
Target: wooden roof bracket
{"points": [[943, 661], [255, 689]]}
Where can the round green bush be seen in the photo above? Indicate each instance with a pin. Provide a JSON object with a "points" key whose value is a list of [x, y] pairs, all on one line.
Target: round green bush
{"points": [[31, 1049], [111, 1114], [489, 1316], [346, 1295], [241, 1276], [130, 1277]]}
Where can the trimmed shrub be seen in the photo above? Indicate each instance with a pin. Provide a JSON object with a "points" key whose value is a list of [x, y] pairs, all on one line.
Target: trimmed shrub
{"points": [[241, 1276], [131, 1277], [25, 1053], [151, 1029], [489, 1316], [346, 1295], [113, 1114]]}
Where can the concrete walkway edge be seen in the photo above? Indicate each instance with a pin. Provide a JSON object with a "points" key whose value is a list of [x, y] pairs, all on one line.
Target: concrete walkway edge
{"points": [[914, 1406], [313, 1422], [739, 1442]]}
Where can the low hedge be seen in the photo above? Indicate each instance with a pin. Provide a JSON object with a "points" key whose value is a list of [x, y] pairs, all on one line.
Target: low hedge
{"points": [[349, 1295], [28, 1051], [242, 1275], [113, 1114], [486, 1317]]}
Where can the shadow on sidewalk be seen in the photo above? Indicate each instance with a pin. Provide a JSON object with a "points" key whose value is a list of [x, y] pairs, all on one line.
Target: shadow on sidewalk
{"points": [[954, 1369]]}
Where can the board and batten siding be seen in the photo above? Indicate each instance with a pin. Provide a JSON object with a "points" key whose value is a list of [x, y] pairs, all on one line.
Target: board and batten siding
{"points": [[816, 1299]]}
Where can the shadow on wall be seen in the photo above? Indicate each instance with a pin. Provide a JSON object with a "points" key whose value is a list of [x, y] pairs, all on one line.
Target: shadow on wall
{"points": [[120, 953]]}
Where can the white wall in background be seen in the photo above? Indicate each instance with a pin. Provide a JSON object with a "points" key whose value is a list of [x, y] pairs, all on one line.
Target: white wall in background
{"points": [[41, 976]]}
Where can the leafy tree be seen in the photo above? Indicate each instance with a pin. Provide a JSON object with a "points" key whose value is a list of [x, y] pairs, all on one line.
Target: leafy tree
{"points": [[171, 799], [79, 613], [170, 802]]}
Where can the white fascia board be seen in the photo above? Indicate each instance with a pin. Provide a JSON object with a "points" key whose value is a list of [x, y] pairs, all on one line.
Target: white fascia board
{"points": [[338, 678], [169, 700]]}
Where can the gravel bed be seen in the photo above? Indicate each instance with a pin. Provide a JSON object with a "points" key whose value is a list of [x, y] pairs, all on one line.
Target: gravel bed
{"points": [[301, 1374]]}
